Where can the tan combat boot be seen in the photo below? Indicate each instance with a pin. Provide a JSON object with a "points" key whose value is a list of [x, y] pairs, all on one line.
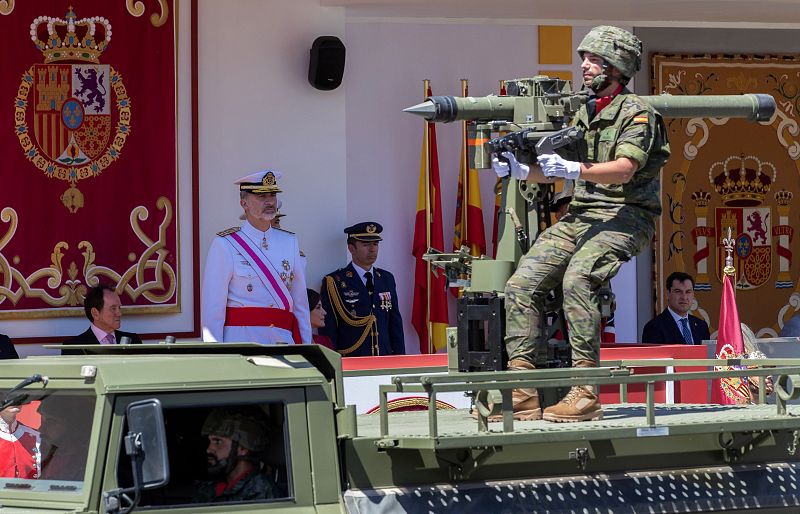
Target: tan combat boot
{"points": [[525, 401], [581, 403]]}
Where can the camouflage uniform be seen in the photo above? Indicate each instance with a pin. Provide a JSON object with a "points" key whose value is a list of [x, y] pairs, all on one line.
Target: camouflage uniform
{"points": [[255, 486], [606, 225]]}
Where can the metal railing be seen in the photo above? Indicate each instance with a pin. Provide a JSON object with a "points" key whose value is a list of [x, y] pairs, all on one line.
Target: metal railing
{"points": [[492, 386]]}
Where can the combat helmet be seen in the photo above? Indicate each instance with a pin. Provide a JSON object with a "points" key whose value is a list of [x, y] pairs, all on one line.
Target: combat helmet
{"points": [[243, 427], [617, 46]]}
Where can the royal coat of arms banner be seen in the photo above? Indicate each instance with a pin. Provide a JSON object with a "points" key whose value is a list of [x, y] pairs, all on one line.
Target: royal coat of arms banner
{"points": [[88, 138], [732, 175]]}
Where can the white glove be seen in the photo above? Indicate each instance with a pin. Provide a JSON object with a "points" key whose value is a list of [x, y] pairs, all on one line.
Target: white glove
{"points": [[553, 165], [518, 171], [501, 168]]}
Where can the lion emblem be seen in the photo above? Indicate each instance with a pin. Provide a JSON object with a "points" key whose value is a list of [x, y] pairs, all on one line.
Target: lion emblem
{"points": [[91, 90], [757, 226]]}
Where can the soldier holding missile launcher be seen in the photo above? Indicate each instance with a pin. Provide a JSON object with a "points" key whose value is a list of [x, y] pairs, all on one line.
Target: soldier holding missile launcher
{"points": [[612, 217], [613, 147]]}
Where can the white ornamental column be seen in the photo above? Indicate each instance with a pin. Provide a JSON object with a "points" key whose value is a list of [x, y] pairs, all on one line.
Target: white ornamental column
{"points": [[700, 233], [784, 232]]}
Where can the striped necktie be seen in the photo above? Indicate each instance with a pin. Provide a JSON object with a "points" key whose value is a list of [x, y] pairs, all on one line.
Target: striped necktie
{"points": [[687, 333]]}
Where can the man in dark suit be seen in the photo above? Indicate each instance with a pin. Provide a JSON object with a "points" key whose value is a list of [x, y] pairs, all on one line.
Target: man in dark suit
{"points": [[362, 300], [675, 325], [103, 307], [7, 350]]}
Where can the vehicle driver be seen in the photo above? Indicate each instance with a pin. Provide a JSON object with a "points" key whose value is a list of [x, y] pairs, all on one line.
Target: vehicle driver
{"points": [[236, 441]]}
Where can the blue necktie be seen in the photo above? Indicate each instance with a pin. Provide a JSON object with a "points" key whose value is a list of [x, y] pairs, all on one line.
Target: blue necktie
{"points": [[370, 285], [687, 334]]}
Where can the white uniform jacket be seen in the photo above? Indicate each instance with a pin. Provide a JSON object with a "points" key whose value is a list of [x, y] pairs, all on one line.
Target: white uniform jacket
{"points": [[230, 281]]}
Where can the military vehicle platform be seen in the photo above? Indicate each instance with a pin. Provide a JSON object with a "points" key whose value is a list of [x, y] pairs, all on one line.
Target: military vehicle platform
{"points": [[324, 457], [646, 457]]}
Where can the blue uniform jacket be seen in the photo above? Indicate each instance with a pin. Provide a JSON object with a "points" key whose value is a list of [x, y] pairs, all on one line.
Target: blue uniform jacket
{"points": [[349, 322]]}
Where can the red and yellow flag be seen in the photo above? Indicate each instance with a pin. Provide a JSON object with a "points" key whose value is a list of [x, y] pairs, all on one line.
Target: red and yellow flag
{"points": [[468, 230], [429, 310], [730, 345], [498, 189]]}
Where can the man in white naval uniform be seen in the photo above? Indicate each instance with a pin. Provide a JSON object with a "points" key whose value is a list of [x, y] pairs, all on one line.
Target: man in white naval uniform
{"points": [[254, 286]]}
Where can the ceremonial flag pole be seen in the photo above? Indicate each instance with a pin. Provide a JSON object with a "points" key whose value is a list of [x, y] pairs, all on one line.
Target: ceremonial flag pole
{"points": [[468, 230], [730, 343], [429, 308]]}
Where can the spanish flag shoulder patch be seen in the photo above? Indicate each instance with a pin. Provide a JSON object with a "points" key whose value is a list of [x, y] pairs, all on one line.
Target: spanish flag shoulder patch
{"points": [[640, 119]]}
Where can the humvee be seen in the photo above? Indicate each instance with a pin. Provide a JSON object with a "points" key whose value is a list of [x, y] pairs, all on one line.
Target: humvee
{"points": [[119, 429]]}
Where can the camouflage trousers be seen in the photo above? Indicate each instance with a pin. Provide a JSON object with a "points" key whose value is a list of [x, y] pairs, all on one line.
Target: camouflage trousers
{"points": [[581, 252]]}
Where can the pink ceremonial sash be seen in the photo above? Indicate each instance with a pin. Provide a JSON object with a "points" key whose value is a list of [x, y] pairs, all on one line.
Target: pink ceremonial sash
{"points": [[264, 269]]}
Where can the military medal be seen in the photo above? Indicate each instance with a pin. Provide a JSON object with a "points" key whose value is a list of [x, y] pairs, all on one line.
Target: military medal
{"points": [[386, 300], [249, 288], [264, 244]]}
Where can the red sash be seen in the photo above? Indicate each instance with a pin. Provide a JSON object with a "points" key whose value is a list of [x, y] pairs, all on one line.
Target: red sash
{"points": [[264, 270], [263, 317]]}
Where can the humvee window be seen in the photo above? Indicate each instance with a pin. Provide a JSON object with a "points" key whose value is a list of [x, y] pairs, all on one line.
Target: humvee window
{"points": [[44, 442], [221, 454]]}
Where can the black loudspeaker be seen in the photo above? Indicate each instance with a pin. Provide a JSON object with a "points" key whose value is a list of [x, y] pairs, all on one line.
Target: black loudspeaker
{"points": [[326, 68]]}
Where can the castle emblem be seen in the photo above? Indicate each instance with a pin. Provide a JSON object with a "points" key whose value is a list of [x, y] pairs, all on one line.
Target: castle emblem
{"points": [[66, 106]]}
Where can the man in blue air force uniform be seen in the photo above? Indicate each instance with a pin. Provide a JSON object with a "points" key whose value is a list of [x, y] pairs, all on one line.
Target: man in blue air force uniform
{"points": [[361, 299]]}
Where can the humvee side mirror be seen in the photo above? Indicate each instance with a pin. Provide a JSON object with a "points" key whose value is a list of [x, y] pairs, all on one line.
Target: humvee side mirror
{"points": [[146, 444], [147, 440]]}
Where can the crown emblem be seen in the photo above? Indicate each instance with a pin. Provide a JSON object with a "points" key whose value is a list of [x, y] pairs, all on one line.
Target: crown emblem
{"points": [[701, 198], [742, 181], [269, 179], [71, 39], [371, 228], [783, 197]]}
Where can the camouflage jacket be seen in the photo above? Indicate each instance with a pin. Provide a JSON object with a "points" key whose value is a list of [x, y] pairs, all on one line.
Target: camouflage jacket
{"points": [[255, 486], [627, 127]]}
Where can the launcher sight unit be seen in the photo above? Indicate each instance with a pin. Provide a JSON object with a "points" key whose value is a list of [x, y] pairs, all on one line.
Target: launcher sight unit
{"points": [[534, 118]]}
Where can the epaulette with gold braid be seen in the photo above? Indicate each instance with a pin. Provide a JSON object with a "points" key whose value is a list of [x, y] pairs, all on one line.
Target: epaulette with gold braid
{"points": [[229, 231], [283, 230]]}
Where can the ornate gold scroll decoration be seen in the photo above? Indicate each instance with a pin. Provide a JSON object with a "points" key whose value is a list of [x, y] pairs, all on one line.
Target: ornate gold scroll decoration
{"points": [[136, 8], [6, 6], [134, 282]]}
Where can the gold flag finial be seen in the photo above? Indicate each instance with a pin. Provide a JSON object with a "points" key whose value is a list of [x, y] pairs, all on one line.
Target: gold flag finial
{"points": [[729, 243]]}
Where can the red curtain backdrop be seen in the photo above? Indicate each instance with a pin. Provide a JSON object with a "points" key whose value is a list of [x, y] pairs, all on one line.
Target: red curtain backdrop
{"points": [[88, 106]]}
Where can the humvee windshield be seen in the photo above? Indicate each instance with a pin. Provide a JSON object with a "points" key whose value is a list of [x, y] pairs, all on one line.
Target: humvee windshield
{"points": [[44, 442]]}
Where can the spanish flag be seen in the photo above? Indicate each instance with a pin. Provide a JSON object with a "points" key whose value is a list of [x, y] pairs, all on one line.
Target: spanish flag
{"points": [[429, 311], [468, 230]]}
